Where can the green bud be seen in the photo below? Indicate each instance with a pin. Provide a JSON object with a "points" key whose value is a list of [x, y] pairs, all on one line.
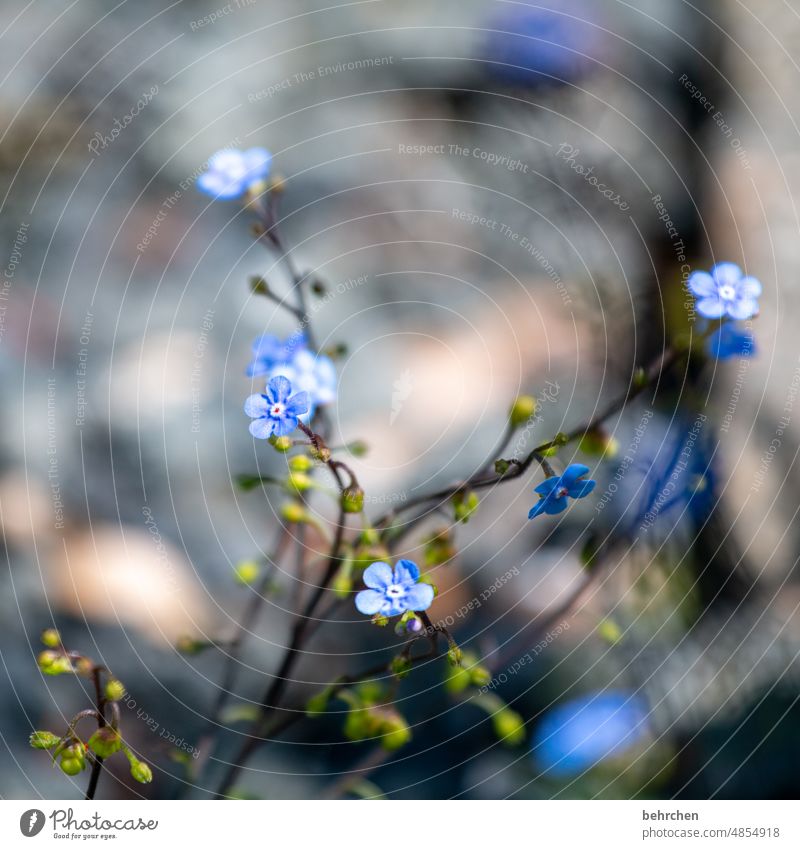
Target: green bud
{"points": [[359, 725], [458, 679], [465, 504], [322, 454], [439, 548], [258, 285], [84, 666], [380, 621], [318, 703], [640, 378], [454, 655], [509, 727], [318, 287], [359, 448], [598, 443], [501, 466], [400, 666], [114, 689], [44, 739], [188, 645], [53, 663], [71, 766], [301, 463], [479, 676], [395, 731], [522, 409], [141, 772], [343, 580], [280, 443], [299, 482], [609, 631], [105, 741], [246, 572], [353, 499], [51, 638], [293, 512], [369, 536]]}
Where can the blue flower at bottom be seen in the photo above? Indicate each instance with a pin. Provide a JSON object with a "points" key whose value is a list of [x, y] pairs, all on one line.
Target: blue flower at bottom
{"points": [[579, 734], [390, 592], [730, 341], [554, 491], [276, 412]]}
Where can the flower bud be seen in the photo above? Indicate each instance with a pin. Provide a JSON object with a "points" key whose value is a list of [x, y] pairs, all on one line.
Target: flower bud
{"points": [[380, 621], [609, 631], [323, 453], [318, 703], [343, 580], [598, 443], [280, 443], [464, 505], [454, 655], [53, 663], [84, 666], [522, 409], [43, 739], [105, 741], [439, 548], [141, 772], [71, 766], [400, 666], [51, 638], [509, 727], [395, 731], [246, 572], [293, 512], [277, 184], [353, 499], [358, 448], [414, 626], [298, 482], [480, 676], [114, 689], [458, 680], [318, 287], [301, 463], [258, 285]]}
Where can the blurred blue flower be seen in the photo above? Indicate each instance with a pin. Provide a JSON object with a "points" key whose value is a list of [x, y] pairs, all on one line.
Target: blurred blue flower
{"points": [[729, 340], [554, 491], [314, 374], [547, 46], [269, 351], [277, 411], [232, 172], [579, 734], [392, 593], [725, 291]]}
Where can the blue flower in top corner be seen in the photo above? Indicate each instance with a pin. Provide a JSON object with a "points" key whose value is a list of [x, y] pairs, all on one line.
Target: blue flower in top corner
{"points": [[232, 172], [730, 341], [390, 592], [276, 412], [725, 291], [554, 492], [269, 351]]}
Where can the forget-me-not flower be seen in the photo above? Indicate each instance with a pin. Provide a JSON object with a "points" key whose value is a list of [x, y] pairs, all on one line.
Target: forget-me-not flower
{"points": [[554, 491], [276, 412], [390, 592], [579, 734], [232, 172], [269, 351], [725, 291], [314, 374], [729, 341]]}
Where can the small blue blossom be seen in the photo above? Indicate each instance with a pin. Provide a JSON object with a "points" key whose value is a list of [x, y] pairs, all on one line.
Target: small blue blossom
{"points": [[729, 341], [276, 412], [269, 351], [725, 291], [314, 374], [232, 172], [554, 491], [579, 734], [390, 592]]}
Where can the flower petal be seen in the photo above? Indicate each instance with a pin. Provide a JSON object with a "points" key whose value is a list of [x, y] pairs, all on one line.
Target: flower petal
{"points": [[297, 404], [219, 185], [257, 161], [581, 489], [749, 287], [369, 602], [573, 472], [378, 576], [406, 572], [711, 307], [262, 428], [726, 273], [278, 390], [744, 308], [537, 509], [256, 406], [548, 485], [702, 284], [258, 367], [285, 425], [419, 597], [555, 505]]}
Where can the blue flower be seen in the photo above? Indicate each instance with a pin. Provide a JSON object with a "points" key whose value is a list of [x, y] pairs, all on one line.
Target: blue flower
{"points": [[725, 291], [269, 351], [731, 341], [232, 172], [314, 374], [275, 413], [554, 491], [579, 734], [392, 593]]}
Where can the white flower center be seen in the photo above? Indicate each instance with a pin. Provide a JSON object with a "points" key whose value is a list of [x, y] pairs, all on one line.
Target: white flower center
{"points": [[727, 292], [561, 492], [277, 410], [395, 591]]}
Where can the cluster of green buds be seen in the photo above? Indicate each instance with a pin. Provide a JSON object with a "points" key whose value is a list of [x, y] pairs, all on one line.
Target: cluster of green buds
{"points": [[469, 673], [464, 505]]}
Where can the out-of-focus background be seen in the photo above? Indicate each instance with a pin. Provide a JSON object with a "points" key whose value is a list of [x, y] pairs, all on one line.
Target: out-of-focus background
{"points": [[502, 197]]}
